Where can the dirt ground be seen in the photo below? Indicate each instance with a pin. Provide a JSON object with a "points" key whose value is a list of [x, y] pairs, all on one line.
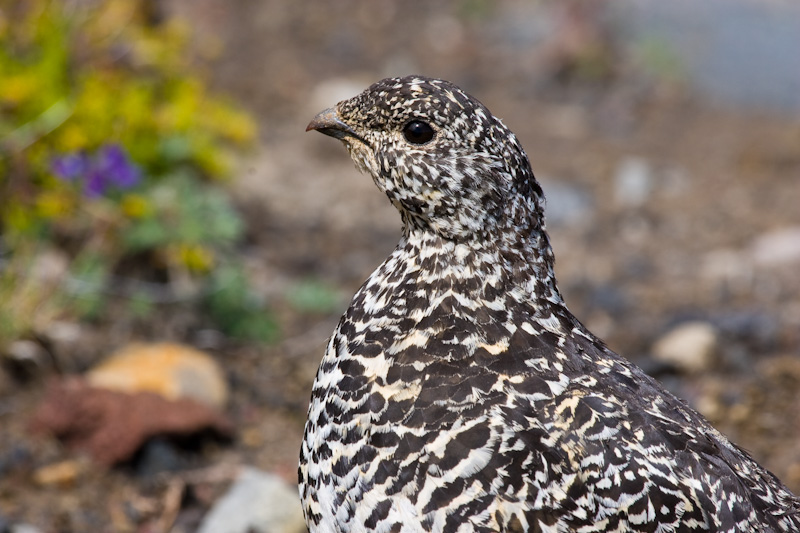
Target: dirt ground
{"points": [[716, 181]]}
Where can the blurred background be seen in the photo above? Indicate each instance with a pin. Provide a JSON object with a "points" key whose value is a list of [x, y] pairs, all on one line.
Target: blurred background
{"points": [[175, 250]]}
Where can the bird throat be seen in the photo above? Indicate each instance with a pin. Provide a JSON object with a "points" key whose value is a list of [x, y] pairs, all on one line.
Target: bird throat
{"points": [[458, 293]]}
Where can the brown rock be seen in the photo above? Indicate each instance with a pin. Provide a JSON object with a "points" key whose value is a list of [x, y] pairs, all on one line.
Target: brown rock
{"points": [[111, 426]]}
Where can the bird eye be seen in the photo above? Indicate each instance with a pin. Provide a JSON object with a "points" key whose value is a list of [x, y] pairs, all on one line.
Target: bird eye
{"points": [[418, 132]]}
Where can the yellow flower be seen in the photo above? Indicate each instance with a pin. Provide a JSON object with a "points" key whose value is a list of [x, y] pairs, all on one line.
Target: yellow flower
{"points": [[241, 128], [185, 103], [53, 204], [18, 88], [236, 126], [135, 206], [97, 102], [134, 105], [215, 160], [196, 258], [72, 138]]}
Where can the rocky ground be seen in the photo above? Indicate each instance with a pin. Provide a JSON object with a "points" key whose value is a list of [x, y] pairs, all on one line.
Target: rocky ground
{"points": [[674, 221]]}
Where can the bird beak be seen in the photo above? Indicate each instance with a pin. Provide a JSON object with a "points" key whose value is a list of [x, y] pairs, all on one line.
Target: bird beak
{"points": [[329, 123]]}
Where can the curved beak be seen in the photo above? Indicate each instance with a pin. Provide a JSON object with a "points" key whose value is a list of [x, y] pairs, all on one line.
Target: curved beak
{"points": [[329, 123]]}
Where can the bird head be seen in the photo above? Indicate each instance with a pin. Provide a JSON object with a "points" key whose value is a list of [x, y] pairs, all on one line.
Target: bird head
{"points": [[445, 162]]}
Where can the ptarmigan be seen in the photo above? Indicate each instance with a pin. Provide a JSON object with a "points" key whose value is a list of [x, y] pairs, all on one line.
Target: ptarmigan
{"points": [[458, 393]]}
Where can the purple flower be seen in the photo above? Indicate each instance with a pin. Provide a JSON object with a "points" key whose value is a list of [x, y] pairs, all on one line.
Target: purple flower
{"points": [[95, 184], [108, 167], [70, 166], [114, 165]]}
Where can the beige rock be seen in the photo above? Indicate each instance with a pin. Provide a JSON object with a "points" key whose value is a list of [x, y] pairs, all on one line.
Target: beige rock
{"points": [[172, 370], [691, 347]]}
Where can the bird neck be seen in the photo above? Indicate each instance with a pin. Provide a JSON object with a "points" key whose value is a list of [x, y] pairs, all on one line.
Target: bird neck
{"points": [[468, 294], [513, 258]]}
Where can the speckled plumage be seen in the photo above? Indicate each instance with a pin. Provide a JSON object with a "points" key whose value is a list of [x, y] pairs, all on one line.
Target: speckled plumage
{"points": [[458, 393]]}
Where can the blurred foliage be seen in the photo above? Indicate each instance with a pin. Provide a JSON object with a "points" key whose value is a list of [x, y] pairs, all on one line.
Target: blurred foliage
{"points": [[233, 305], [314, 296], [29, 299], [110, 147]]}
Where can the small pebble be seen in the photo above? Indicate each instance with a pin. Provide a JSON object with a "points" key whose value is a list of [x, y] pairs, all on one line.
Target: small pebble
{"points": [[64, 331], [26, 359], [778, 247], [691, 347], [63, 474], [633, 182], [23, 528], [259, 502]]}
